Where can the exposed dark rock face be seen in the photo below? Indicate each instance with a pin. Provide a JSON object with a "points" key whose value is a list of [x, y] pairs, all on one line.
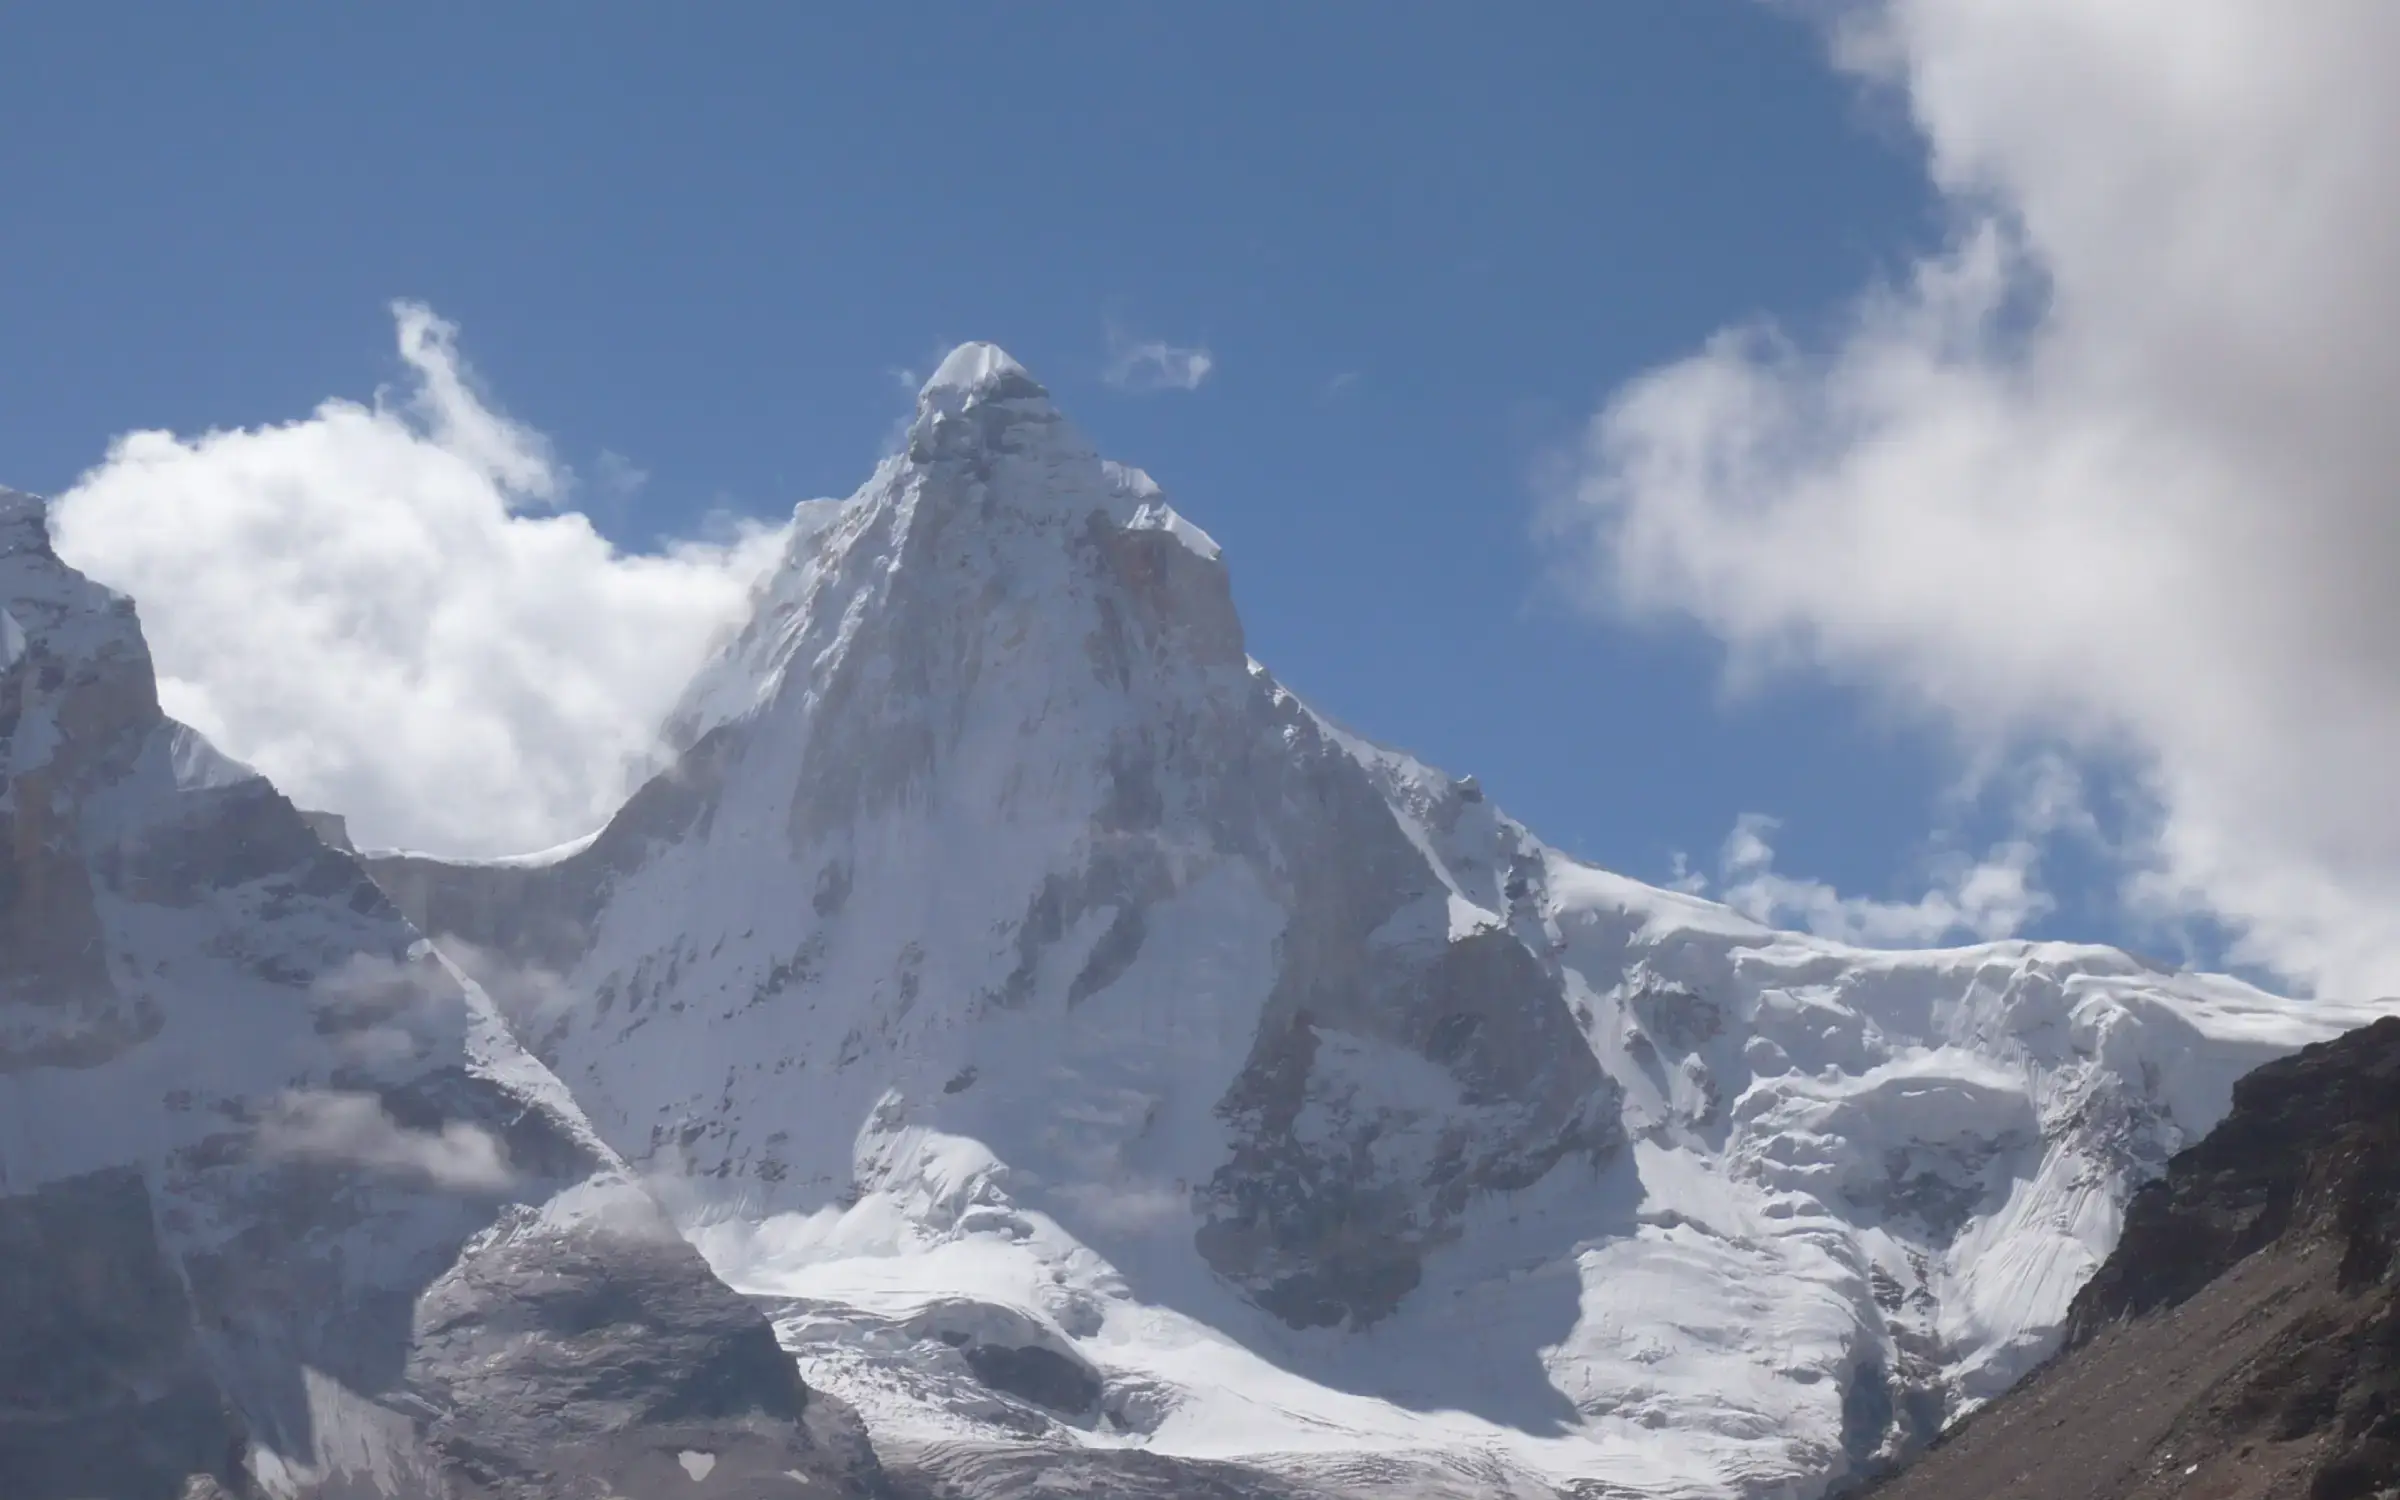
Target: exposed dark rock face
{"points": [[2311, 1154], [645, 1357], [1326, 1237], [2243, 1340], [104, 1390], [1035, 1374]]}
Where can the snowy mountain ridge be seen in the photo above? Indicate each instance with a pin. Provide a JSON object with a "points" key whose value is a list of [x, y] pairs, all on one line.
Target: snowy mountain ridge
{"points": [[1098, 1059], [286, 1212]]}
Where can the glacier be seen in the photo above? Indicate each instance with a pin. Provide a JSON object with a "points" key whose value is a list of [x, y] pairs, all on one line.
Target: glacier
{"points": [[1100, 1063]]}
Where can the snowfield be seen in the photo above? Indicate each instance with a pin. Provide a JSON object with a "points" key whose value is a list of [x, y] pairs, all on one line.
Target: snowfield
{"points": [[1078, 1044], [1896, 1216]]}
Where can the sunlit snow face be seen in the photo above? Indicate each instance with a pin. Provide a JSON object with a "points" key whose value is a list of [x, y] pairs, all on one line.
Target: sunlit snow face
{"points": [[1004, 973]]}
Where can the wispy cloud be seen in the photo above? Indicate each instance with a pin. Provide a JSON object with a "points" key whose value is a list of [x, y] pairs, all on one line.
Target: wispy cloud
{"points": [[1137, 1206], [1154, 365], [1997, 893], [354, 1129], [382, 1016], [620, 477], [1994, 896]]}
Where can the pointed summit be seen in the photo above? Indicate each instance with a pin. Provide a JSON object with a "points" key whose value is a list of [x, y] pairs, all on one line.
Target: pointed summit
{"points": [[980, 402], [976, 373], [24, 521]]}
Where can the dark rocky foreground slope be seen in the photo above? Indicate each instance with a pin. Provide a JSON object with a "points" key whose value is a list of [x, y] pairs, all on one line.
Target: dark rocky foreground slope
{"points": [[284, 1212], [2244, 1339]]}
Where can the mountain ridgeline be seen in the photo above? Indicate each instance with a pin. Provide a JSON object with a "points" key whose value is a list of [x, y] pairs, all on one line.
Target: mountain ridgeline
{"points": [[1014, 1046]]}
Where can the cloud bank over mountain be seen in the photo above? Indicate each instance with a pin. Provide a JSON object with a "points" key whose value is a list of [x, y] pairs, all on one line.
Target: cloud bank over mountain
{"points": [[2112, 469], [398, 617]]}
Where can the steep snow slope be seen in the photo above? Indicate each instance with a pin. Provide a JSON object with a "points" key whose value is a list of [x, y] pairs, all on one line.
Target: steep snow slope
{"points": [[284, 1209], [1089, 1048]]}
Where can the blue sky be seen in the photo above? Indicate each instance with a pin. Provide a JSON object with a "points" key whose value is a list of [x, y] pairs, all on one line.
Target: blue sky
{"points": [[1420, 243]]}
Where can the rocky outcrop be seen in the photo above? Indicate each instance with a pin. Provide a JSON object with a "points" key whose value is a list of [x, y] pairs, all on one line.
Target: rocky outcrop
{"points": [[284, 1211], [104, 1388], [2243, 1339], [564, 1363], [2309, 1158]]}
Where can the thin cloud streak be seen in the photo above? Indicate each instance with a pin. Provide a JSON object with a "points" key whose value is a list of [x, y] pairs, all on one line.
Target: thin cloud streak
{"points": [[1155, 365], [355, 1130]]}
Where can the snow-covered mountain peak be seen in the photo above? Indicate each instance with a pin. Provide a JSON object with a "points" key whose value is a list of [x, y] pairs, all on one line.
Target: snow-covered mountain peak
{"points": [[986, 436], [981, 406], [993, 731], [979, 372], [48, 596], [995, 510], [86, 670], [1090, 1043], [21, 517]]}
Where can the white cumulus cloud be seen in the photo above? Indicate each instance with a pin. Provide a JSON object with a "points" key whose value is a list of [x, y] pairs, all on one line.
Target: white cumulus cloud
{"points": [[384, 608], [2114, 469]]}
